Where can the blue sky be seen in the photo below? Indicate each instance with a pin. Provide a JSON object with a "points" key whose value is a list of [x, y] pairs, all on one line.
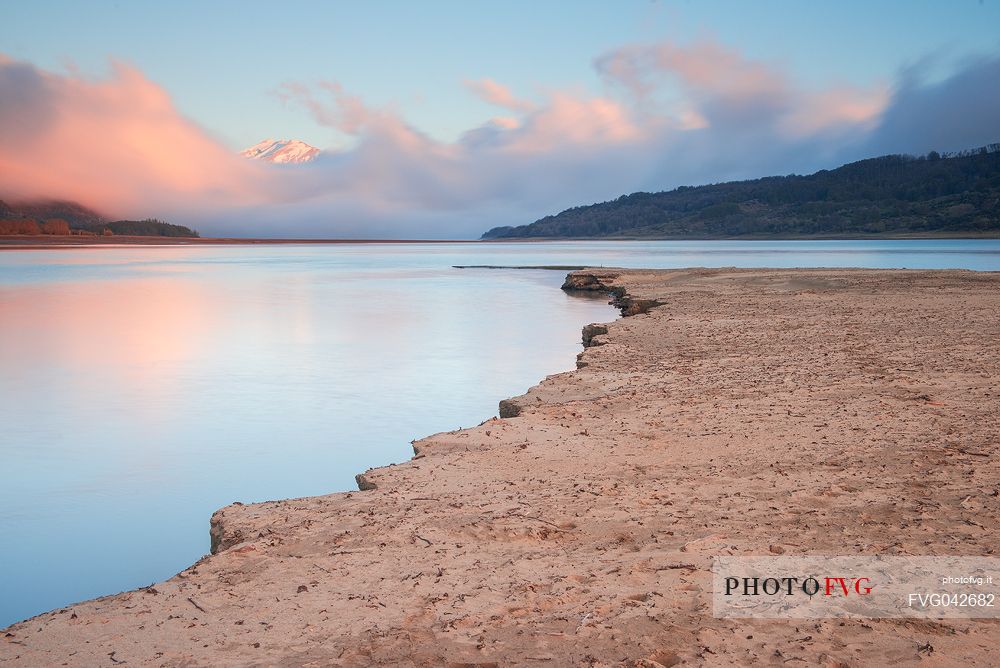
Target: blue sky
{"points": [[443, 119], [221, 61]]}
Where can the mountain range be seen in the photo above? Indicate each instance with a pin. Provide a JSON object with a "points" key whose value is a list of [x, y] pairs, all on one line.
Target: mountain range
{"points": [[281, 151]]}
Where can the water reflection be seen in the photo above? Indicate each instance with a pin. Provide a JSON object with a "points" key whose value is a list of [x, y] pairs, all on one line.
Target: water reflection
{"points": [[144, 389]]}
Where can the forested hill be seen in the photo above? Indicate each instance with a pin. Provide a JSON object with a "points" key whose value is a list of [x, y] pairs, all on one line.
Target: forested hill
{"points": [[62, 217], [893, 195]]}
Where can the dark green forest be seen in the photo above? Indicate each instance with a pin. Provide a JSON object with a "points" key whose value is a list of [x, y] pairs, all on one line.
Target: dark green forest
{"points": [[935, 194], [62, 217], [150, 227]]}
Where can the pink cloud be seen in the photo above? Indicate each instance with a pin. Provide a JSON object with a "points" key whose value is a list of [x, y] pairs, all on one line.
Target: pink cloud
{"points": [[843, 106], [720, 85], [116, 144], [505, 122], [701, 67], [568, 119], [345, 112], [498, 94]]}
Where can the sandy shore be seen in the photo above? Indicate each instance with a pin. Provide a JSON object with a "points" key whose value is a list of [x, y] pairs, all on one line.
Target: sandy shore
{"points": [[752, 412]]}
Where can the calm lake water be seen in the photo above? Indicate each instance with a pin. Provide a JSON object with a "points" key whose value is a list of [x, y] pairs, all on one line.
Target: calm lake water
{"points": [[143, 388]]}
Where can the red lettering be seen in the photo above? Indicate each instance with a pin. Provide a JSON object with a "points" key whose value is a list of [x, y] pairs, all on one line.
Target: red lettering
{"points": [[835, 586], [832, 583]]}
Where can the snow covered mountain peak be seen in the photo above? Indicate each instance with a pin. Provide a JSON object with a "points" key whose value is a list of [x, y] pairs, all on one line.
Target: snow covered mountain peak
{"points": [[281, 150]]}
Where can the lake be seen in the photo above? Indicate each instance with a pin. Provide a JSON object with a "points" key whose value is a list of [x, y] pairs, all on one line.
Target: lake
{"points": [[142, 388]]}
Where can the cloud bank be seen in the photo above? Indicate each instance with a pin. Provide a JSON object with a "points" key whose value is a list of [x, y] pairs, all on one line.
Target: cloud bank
{"points": [[117, 145], [669, 115]]}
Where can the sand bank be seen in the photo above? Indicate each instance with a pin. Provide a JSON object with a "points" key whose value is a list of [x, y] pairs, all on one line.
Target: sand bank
{"points": [[746, 412]]}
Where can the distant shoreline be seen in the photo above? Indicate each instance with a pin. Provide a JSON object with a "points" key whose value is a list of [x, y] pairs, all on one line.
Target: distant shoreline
{"points": [[74, 241], [760, 237], [44, 241]]}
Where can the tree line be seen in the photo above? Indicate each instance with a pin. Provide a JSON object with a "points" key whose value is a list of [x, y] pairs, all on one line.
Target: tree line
{"points": [[936, 193], [63, 218]]}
